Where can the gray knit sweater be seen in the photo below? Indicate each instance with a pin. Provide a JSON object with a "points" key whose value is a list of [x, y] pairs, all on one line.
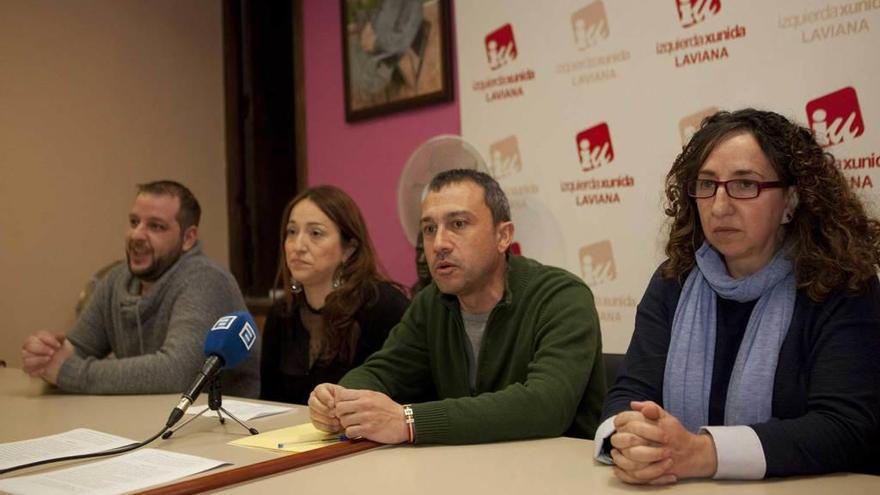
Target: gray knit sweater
{"points": [[131, 344]]}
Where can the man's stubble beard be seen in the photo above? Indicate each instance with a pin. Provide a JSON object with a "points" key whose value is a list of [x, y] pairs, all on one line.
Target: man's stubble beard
{"points": [[158, 267]]}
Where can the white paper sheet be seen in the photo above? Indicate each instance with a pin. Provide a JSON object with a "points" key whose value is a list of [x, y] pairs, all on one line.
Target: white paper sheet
{"points": [[73, 442], [125, 473], [244, 411]]}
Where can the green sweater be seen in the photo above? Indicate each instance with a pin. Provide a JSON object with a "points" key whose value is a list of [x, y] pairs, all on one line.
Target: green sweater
{"points": [[539, 372]]}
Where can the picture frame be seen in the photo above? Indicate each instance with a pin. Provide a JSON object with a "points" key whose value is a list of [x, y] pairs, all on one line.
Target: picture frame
{"points": [[396, 55]]}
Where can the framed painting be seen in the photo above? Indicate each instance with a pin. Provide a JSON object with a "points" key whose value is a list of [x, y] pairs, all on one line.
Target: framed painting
{"points": [[396, 55]]}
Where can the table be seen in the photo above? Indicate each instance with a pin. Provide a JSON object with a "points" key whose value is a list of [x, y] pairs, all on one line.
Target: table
{"points": [[33, 409], [548, 466]]}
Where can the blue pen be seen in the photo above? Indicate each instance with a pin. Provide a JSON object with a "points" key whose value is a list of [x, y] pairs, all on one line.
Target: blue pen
{"points": [[339, 438]]}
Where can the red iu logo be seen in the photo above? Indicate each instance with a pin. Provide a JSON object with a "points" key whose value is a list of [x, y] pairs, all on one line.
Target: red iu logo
{"points": [[594, 147], [500, 46], [836, 117], [692, 12]]}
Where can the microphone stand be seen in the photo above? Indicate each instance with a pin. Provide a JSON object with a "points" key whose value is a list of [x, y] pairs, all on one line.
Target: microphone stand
{"points": [[215, 403]]}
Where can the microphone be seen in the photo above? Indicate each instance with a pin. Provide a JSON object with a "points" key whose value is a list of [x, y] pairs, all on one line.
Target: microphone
{"points": [[228, 343]]}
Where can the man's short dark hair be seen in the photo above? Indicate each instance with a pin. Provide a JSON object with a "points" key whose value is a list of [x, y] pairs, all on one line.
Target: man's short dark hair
{"points": [[190, 212], [493, 195]]}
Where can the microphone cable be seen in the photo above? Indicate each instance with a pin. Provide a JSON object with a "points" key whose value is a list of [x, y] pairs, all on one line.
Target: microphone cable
{"points": [[117, 450]]}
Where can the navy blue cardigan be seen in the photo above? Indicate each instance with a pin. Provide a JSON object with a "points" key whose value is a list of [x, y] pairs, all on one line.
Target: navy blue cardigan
{"points": [[826, 397]]}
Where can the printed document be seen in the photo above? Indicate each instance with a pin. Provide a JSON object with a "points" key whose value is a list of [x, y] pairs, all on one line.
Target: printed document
{"points": [[244, 411], [133, 471], [73, 442]]}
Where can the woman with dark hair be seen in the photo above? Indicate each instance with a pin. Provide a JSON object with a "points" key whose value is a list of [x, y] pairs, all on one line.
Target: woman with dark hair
{"points": [[755, 346], [338, 307]]}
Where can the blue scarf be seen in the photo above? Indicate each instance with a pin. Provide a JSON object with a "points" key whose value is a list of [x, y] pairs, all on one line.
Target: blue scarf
{"points": [[687, 380]]}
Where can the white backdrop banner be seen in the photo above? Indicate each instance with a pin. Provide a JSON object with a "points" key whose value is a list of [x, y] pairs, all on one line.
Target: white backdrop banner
{"points": [[580, 108]]}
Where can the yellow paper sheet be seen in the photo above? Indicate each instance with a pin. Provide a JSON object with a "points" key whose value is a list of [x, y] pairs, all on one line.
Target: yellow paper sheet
{"points": [[299, 438]]}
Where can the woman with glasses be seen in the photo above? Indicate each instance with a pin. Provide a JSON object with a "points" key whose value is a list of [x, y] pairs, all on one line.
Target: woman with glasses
{"points": [[755, 351]]}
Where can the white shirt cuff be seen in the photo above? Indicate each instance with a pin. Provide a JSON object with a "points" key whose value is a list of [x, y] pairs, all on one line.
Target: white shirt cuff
{"points": [[602, 432], [738, 451]]}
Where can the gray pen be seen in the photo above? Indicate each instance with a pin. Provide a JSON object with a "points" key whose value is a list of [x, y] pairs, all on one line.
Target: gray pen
{"points": [[340, 438]]}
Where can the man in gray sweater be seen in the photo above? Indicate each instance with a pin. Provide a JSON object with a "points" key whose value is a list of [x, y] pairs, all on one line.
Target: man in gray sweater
{"points": [[144, 329]]}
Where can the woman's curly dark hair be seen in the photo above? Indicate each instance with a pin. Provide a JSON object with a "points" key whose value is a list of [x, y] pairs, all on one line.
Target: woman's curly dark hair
{"points": [[832, 241]]}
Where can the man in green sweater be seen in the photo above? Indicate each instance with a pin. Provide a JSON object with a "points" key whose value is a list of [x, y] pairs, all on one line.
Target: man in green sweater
{"points": [[499, 347]]}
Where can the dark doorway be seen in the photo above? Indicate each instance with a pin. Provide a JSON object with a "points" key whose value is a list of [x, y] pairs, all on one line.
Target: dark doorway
{"points": [[260, 60]]}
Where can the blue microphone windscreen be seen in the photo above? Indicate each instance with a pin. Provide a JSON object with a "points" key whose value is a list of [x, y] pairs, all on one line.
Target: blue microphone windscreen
{"points": [[232, 338]]}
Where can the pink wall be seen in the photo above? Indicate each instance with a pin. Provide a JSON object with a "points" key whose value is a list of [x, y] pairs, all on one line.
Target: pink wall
{"points": [[366, 158]]}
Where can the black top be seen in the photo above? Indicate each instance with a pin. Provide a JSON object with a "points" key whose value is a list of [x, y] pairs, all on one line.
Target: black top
{"points": [[729, 332], [826, 396], [285, 372]]}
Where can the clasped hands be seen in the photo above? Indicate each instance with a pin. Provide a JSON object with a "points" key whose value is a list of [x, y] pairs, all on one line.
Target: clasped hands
{"points": [[42, 355], [650, 446], [357, 413]]}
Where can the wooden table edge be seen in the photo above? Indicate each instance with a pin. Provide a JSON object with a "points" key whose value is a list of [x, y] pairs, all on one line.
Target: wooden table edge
{"points": [[261, 469]]}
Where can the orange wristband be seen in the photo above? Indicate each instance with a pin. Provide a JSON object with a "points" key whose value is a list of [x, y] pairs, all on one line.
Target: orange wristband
{"points": [[410, 422]]}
